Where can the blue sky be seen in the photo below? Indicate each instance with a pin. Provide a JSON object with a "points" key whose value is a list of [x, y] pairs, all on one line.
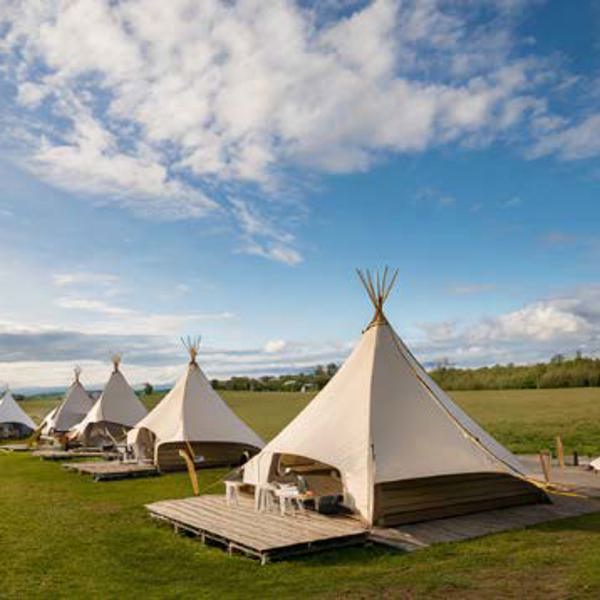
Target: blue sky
{"points": [[222, 168]]}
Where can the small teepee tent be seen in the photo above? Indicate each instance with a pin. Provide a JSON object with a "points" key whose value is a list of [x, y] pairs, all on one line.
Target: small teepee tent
{"points": [[74, 407], [14, 421], [192, 416], [116, 411], [389, 441]]}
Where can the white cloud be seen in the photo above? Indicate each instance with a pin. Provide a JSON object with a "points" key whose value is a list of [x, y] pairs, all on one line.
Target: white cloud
{"points": [[572, 142], [42, 355], [83, 278], [275, 346], [261, 237], [512, 202], [164, 107], [117, 319], [92, 305], [534, 332]]}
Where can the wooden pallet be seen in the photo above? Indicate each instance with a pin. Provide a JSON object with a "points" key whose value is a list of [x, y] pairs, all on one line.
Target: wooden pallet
{"points": [[15, 448], [265, 536], [71, 454], [269, 536], [112, 470], [452, 529]]}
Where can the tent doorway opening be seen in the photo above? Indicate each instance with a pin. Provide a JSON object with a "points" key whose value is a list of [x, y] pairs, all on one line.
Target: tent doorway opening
{"points": [[317, 479], [14, 431]]}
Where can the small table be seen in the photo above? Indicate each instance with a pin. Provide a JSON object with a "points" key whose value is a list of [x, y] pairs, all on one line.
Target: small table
{"points": [[288, 496]]}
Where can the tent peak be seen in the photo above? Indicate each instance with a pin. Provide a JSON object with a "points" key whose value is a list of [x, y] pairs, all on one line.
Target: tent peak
{"points": [[378, 288], [116, 361], [77, 371], [192, 345]]}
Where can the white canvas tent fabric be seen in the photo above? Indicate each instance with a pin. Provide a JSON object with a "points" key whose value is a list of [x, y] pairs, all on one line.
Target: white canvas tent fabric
{"points": [[595, 464], [11, 412], [71, 411], [193, 412], [382, 419], [118, 405], [47, 425]]}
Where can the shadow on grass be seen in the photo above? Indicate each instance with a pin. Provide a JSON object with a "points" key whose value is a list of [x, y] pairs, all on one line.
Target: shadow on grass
{"points": [[352, 555]]}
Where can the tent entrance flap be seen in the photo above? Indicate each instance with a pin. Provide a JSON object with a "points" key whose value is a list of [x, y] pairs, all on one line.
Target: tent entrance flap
{"points": [[413, 500]]}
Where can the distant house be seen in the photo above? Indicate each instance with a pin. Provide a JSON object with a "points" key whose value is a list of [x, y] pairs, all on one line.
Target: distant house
{"points": [[308, 387], [289, 383]]}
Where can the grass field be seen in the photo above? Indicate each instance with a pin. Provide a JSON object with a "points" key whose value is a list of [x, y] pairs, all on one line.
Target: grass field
{"points": [[62, 535]]}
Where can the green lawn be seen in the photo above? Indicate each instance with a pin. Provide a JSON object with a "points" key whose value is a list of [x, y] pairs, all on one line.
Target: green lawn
{"points": [[62, 535]]}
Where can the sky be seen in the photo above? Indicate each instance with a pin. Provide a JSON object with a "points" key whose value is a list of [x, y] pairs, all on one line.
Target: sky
{"points": [[220, 168]]}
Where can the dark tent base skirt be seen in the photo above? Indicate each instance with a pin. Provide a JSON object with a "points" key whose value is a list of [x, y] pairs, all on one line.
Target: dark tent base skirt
{"points": [[413, 500]]}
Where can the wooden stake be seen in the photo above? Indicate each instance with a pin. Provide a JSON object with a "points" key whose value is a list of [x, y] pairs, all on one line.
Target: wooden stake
{"points": [[545, 463], [191, 470], [560, 452]]}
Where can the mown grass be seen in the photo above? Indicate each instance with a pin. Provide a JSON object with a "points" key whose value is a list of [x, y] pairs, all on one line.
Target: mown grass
{"points": [[62, 535]]}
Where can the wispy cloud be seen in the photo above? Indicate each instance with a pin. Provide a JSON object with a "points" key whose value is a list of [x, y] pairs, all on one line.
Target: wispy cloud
{"points": [[435, 196], [261, 237], [84, 278], [511, 202], [573, 141], [115, 319], [169, 108], [92, 305]]}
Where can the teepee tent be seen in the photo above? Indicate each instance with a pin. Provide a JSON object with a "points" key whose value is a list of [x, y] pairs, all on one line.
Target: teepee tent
{"points": [[116, 411], [71, 411], [194, 417], [14, 421], [396, 446]]}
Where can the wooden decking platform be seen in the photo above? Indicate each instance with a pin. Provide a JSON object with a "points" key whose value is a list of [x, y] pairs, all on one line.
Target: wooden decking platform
{"points": [[15, 448], [579, 479], [453, 529], [112, 470], [70, 454], [266, 536], [269, 536]]}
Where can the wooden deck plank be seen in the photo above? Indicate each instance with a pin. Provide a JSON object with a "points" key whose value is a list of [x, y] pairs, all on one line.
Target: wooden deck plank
{"points": [[270, 536], [496, 521], [16, 448], [70, 454], [579, 478], [265, 535], [109, 470], [276, 530]]}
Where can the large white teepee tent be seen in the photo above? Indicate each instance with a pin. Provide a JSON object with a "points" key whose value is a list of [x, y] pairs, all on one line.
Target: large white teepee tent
{"points": [[71, 411], [14, 421], [116, 411], [398, 447], [194, 417]]}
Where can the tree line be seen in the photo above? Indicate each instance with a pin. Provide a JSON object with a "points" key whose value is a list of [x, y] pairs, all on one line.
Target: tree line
{"points": [[558, 372], [314, 380]]}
